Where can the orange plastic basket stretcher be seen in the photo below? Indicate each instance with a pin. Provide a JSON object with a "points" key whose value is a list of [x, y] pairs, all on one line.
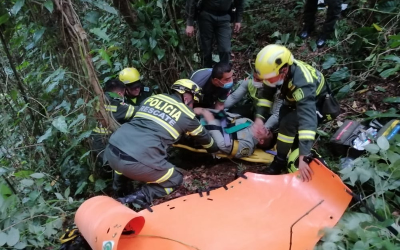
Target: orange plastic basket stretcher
{"points": [[259, 212]]}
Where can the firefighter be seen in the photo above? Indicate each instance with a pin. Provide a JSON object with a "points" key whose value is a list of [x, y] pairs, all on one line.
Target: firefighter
{"points": [[237, 138], [216, 83], [135, 92], [138, 149], [114, 91], [303, 90]]}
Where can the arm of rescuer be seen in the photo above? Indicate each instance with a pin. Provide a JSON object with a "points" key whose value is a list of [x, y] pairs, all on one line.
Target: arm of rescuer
{"points": [[263, 110], [201, 135], [238, 94], [190, 13], [123, 112]]}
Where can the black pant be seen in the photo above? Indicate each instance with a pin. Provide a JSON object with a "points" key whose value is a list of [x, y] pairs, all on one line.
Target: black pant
{"points": [[217, 26], [332, 14]]}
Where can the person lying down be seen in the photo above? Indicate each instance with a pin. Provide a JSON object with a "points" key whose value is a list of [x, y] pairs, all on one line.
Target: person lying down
{"points": [[234, 134]]}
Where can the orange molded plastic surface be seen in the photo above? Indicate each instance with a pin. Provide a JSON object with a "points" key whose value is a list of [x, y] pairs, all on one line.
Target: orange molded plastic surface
{"points": [[260, 212]]}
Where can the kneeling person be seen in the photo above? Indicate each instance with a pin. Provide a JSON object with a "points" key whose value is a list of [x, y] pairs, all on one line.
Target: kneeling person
{"points": [[239, 140], [138, 149]]}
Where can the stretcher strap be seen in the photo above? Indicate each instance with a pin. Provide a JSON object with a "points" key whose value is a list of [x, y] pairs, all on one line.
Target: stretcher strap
{"points": [[227, 138]]}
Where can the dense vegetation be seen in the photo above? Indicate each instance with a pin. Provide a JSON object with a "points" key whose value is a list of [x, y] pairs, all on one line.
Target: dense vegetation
{"points": [[56, 53]]}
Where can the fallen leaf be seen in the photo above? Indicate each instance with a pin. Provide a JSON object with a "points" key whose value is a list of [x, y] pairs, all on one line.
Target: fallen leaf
{"points": [[354, 105], [362, 91]]}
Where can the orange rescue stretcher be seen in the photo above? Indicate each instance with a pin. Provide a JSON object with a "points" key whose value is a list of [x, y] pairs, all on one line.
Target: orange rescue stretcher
{"points": [[258, 156], [277, 212]]}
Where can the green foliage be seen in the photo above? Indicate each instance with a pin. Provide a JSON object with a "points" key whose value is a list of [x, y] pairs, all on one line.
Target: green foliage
{"points": [[376, 177], [32, 209]]}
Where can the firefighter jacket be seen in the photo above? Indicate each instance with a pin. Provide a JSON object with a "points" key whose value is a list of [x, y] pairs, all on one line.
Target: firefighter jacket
{"points": [[239, 144], [304, 91], [144, 93], [159, 122], [120, 111]]}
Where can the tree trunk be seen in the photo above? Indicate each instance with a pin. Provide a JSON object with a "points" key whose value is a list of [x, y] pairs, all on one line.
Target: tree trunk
{"points": [[124, 7], [77, 38]]}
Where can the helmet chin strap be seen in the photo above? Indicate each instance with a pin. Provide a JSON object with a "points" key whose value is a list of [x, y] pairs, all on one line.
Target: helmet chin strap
{"points": [[190, 102]]}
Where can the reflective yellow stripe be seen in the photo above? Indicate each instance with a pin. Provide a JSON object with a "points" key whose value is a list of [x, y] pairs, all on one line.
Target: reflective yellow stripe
{"points": [[168, 190], [306, 135], [196, 131], [164, 177], [182, 106], [305, 71], [112, 108], [264, 103], [285, 138], [159, 121], [321, 84], [118, 173], [130, 111], [210, 144], [102, 130], [262, 117], [235, 148]]}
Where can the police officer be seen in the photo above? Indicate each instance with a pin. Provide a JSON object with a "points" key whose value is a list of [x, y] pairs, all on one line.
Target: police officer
{"points": [[114, 91], [238, 143], [136, 92], [332, 15], [138, 149], [303, 89], [251, 86], [216, 83], [214, 19]]}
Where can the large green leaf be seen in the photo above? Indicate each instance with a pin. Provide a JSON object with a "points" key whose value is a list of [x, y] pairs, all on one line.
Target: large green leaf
{"points": [[45, 136], [17, 6], [38, 34], [392, 58], [20, 245], [392, 99], [37, 175], [388, 72], [339, 75], [104, 6], [4, 18], [101, 33], [329, 62], [3, 238], [13, 237], [152, 42], [60, 124], [383, 143], [49, 5]]}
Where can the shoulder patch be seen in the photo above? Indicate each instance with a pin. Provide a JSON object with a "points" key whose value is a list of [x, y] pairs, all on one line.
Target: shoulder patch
{"points": [[147, 89], [123, 103], [298, 94], [245, 151]]}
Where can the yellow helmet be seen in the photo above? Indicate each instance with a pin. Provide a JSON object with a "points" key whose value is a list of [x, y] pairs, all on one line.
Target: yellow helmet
{"points": [[129, 75], [185, 85], [271, 59]]}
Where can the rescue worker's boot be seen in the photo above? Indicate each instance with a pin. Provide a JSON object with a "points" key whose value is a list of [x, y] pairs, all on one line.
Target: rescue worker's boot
{"points": [[121, 185], [277, 166], [137, 197]]}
